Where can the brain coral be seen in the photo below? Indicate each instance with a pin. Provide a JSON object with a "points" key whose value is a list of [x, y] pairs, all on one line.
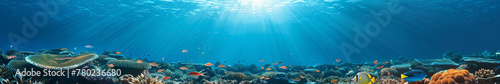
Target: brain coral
{"points": [[453, 76]]}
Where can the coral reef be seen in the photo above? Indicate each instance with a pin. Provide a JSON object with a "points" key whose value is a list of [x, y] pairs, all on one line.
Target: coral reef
{"points": [[141, 79], [485, 76], [48, 61], [453, 76], [332, 72], [11, 52], [387, 80], [385, 71], [236, 76], [25, 81], [129, 67]]}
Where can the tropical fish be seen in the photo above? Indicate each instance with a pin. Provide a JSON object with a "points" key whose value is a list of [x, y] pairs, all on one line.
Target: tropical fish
{"points": [[359, 69], [363, 78], [279, 62], [262, 67], [199, 48], [274, 63], [301, 76], [209, 64], [382, 66], [166, 78], [160, 70], [183, 68], [268, 69], [153, 64], [64, 49], [386, 62], [267, 78], [261, 61], [11, 57], [338, 60], [262, 77], [358, 66], [184, 51], [317, 70], [111, 65], [378, 67], [118, 53], [388, 73], [296, 79], [202, 53], [225, 72], [375, 61], [283, 67], [11, 46], [89, 46], [221, 66], [195, 74], [139, 61], [337, 67], [334, 80], [85, 67], [414, 75]]}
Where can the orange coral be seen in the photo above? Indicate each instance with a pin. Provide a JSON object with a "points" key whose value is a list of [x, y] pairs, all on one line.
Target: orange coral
{"points": [[453, 76]]}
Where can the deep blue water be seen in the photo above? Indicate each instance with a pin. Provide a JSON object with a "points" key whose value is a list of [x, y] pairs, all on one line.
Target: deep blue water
{"points": [[295, 32]]}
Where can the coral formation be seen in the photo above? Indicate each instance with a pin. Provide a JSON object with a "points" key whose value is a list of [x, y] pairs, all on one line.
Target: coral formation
{"points": [[236, 76], [385, 71], [485, 76], [11, 52], [453, 76], [387, 80], [51, 61], [141, 79], [129, 67]]}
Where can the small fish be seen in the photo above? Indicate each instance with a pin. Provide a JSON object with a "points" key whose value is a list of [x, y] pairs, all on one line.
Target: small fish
{"points": [[394, 67], [268, 69], [160, 70], [267, 78], [301, 76], [195, 74], [334, 80], [191, 60], [279, 62], [166, 78], [388, 73], [139, 61], [221, 66], [296, 79], [225, 72], [317, 70], [283, 67], [183, 68], [11, 57], [89, 46], [290, 65], [85, 67], [199, 48], [386, 62], [184, 51], [358, 66], [262, 77], [261, 61], [388, 68], [11, 46], [359, 69], [118, 53], [153, 64], [202, 53], [209, 64], [375, 61], [338, 60], [274, 63], [262, 67], [382, 66], [378, 67], [337, 67], [111, 65]]}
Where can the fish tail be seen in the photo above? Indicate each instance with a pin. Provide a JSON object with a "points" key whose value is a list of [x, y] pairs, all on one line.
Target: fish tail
{"points": [[403, 76]]}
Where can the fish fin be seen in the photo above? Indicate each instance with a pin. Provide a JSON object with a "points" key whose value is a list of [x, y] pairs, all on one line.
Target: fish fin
{"points": [[403, 76]]}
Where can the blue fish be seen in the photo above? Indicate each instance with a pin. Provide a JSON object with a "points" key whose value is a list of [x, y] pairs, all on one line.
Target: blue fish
{"points": [[414, 75]]}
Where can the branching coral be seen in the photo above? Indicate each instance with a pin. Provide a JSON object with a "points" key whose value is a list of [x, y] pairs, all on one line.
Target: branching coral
{"points": [[452, 76], [485, 76], [141, 79], [386, 80]]}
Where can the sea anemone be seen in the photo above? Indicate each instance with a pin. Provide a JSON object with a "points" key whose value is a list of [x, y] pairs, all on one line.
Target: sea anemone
{"points": [[48, 61], [129, 67]]}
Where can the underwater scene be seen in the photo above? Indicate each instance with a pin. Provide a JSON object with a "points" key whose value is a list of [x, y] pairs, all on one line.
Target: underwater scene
{"points": [[249, 41]]}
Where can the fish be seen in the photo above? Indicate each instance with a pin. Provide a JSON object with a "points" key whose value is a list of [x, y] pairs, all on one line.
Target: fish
{"points": [[394, 67], [166, 78], [279, 62], [414, 75], [338, 60], [89, 46], [183, 68], [139, 61], [290, 65], [64, 49], [375, 61], [334, 80], [267, 78], [195, 74], [262, 77], [296, 79], [301, 76], [262, 67], [283, 67], [11, 57], [378, 67], [75, 47], [359, 69], [202, 53], [11, 46], [358, 66], [111, 65], [386, 62], [199, 48], [388, 73], [225, 72], [221, 66], [337, 67], [363, 78], [274, 63], [388, 68], [317, 70], [261, 61], [268, 69], [118, 53], [160, 70], [85, 67], [209, 64], [382, 66], [153, 64], [184, 51]]}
